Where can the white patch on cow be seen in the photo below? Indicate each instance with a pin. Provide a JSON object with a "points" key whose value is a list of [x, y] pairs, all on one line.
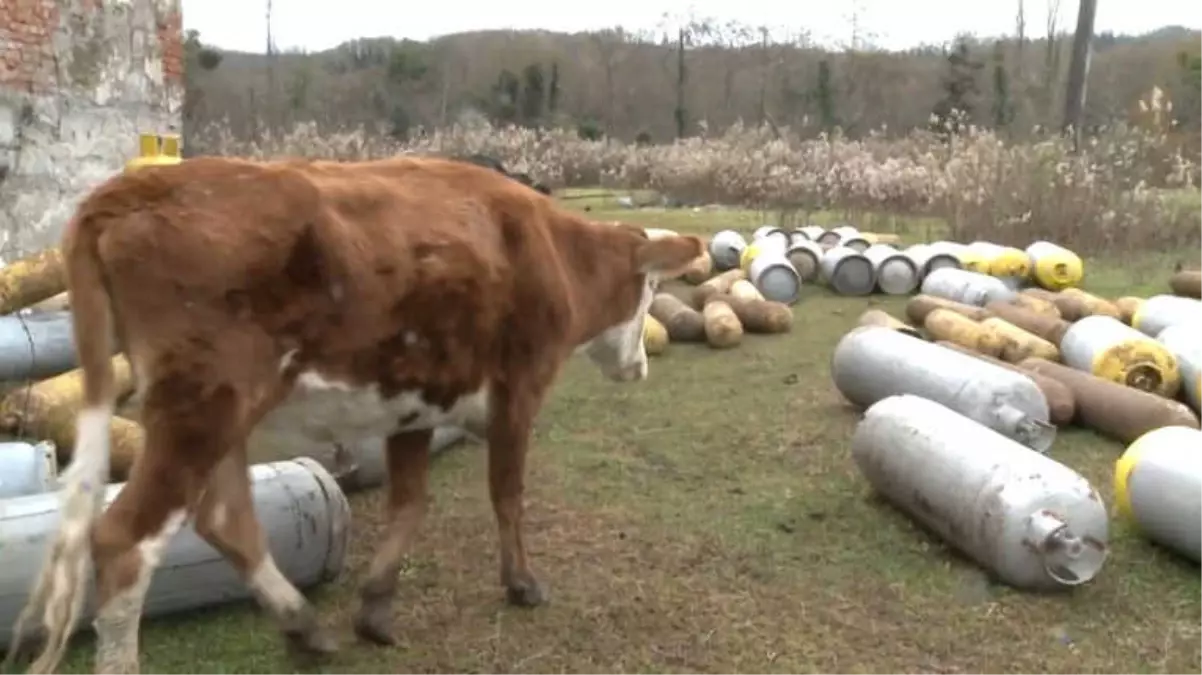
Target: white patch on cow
{"points": [[619, 351], [116, 623], [273, 589], [332, 411]]}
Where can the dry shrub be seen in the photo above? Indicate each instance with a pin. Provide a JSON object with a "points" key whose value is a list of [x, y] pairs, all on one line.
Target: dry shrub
{"points": [[1128, 188]]}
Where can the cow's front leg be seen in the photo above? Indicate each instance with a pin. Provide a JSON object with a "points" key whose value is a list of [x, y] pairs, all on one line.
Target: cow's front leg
{"points": [[408, 456], [508, 438]]}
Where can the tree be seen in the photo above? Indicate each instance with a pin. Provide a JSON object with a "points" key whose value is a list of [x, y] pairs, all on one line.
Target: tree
{"points": [[553, 90], [506, 98], [823, 96], [534, 94], [1003, 106], [1078, 71], [959, 89]]}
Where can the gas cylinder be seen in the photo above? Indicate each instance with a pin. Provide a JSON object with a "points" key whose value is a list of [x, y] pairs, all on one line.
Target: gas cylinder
{"points": [[774, 276], [725, 248], [1184, 340], [871, 363], [806, 256], [1112, 350], [771, 232], [970, 288], [1158, 484], [969, 259], [847, 271], [759, 246], [27, 469], [1031, 521], [832, 236], [1054, 267], [1161, 311], [896, 273], [929, 259], [856, 243], [1004, 262], [811, 232]]}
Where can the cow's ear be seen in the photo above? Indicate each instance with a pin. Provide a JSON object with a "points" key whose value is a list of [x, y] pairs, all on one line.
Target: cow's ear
{"points": [[667, 255]]}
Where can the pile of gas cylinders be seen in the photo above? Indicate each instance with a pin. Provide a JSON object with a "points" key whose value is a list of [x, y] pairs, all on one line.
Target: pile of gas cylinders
{"points": [[964, 396]]}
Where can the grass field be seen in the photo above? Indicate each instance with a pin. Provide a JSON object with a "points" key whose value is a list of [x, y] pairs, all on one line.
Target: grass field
{"points": [[711, 520]]}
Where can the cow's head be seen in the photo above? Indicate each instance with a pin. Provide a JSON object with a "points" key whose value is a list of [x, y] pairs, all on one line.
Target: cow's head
{"points": [[618, 349]]}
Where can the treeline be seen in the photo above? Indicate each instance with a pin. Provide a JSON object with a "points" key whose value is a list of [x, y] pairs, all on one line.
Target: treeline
{"points": [[701, 79]]}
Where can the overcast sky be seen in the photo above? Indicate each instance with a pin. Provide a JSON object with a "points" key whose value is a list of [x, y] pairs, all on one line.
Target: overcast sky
{"points": [[321, 24]]}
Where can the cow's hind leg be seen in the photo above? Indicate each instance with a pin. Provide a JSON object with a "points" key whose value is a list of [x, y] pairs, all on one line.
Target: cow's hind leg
{"points": [[225, 517], [408, 467], [127, 546], [510, 422], [190, 426]]}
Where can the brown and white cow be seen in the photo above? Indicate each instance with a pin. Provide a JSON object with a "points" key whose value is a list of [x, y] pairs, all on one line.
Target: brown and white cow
{"points": [[342, 300]]}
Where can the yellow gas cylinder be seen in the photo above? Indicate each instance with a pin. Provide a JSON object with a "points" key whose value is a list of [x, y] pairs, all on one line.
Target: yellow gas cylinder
{"points": [[1054, 267], [972, 260], [1112, 350], [748, 254], [1003, 261], [655, 336], [153, 151], [945, 324], [1158, 485]]}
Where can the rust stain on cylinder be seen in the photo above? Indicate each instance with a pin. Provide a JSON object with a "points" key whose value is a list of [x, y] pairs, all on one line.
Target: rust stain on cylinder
{"points": [[31, 280], [1047, 327], [1117, 411], [1187, 283], [921, 305], [945, 324], [879, 317], [47, 410]]}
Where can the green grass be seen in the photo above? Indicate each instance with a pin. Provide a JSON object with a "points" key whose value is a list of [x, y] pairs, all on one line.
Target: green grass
{"points": [[711, 520]]}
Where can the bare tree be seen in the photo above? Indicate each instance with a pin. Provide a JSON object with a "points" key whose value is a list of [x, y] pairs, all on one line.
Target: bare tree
{"points": [[1051, 60], [269, 102], [1078, 70]]}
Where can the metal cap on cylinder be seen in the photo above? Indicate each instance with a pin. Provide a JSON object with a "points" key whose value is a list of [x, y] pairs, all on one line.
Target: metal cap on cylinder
{"points": [[774, 276], [1033, 433], [848, 272], [1068, 559], [725, 248]]}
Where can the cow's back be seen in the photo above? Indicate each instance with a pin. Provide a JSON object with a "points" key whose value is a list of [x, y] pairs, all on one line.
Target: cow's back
{"points": [[419, 273]]}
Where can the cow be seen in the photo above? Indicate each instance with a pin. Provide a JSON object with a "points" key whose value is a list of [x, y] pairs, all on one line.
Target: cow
{"points": [[341, 300]]}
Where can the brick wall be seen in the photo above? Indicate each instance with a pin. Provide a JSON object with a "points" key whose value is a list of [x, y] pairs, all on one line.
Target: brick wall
{"points": [[26, 29], [78, 80]]}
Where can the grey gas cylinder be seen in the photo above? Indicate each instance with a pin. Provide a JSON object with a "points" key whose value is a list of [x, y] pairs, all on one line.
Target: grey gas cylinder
{"points": [[970, 288], [847, 271], [774, 276], [725, 248], [1028, 519], [896, 273], [871, 363]]}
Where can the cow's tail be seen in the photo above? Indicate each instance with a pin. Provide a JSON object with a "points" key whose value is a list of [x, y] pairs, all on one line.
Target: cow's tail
{"points": [[61, 586]]}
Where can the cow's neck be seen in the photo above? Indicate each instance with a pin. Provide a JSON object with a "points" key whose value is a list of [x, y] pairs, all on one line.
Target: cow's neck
{"points": [[597, 261]]}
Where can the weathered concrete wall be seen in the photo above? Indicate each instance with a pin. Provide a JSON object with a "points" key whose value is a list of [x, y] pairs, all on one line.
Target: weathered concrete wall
{"points": [[78, 80]]}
